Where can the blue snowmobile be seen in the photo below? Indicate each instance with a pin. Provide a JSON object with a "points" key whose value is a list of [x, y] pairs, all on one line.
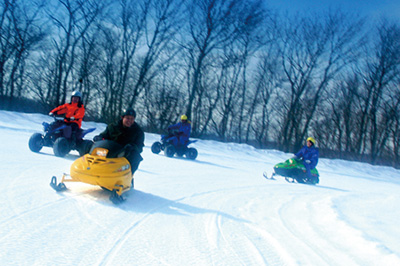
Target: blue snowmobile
{"points": [[56, 136], [166, 145]]}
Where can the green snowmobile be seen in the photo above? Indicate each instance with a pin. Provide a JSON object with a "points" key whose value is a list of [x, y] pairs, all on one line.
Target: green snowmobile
{"points": [[294, 170]]}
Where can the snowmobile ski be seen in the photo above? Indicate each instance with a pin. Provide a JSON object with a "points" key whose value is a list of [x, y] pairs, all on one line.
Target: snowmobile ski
{"points": [[265, 174], [115, 198], [60, 187], [303, 182], [290, 179]]}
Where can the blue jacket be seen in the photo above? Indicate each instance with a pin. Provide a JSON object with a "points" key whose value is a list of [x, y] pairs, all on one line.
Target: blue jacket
{"points": [[310, 154], [183, 130]]}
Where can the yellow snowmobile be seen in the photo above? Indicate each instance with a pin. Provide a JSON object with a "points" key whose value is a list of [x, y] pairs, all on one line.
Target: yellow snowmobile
{"points": [[104, 166]]}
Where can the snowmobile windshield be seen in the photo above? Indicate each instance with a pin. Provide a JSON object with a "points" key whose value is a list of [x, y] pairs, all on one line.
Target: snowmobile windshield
{"points": [[114, 149]]}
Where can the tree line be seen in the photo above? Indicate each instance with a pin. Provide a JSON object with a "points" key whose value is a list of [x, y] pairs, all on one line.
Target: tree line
{"points": [[239, 70]]}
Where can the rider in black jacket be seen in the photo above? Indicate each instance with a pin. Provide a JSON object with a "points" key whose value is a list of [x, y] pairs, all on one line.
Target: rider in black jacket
{"points": [[128, 134]]}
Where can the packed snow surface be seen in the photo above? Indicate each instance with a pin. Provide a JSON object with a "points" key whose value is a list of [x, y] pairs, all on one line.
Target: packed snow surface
{"points": [[215, 210]]}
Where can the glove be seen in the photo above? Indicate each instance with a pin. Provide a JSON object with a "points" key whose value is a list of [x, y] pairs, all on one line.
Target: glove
{"points": [[51, 114], [308, 161], [97, 138], [72, 118]]}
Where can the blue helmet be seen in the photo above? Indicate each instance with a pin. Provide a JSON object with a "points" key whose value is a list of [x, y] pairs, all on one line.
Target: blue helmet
{"points": [[76, 94]]}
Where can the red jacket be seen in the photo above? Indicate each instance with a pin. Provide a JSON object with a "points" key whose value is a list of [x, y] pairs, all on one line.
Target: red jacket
{"points": [[71, 110]]}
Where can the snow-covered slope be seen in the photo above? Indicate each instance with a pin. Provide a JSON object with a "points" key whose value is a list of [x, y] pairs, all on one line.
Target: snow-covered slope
{"points": [[216, 210]]}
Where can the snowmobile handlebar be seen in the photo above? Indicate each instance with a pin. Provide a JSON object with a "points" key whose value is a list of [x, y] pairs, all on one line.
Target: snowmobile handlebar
{"points": [[174, 132], [58, 117]]}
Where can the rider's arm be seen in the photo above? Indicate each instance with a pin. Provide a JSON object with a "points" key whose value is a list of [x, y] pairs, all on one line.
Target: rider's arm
{"points": [[314, 158], [172, 127], [300, 153], [62, 109], [186, 130], [139, 142], [106, 133], [80, 113]]}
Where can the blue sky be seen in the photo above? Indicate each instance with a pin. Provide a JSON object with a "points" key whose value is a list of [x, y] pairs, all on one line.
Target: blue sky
{"points": [[373, 8]]}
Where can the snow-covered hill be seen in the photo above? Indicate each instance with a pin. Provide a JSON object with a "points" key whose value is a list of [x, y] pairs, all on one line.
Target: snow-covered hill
{"points": [[216, 210]]}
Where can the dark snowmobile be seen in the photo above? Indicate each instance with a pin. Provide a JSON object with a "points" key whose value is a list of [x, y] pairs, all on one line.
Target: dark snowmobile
{"points": [[55, 136], [170, 150], [294, 171]]}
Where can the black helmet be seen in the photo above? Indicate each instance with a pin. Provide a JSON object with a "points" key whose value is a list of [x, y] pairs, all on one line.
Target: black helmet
{"points": [[129, 111]]}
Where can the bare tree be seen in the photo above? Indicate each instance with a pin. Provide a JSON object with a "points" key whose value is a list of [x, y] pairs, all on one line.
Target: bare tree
{"points": [[395, 130], [137, 46], [106, 57], [267, 79], [381, 69], [6, 42], [162, 24], [213, 25], [342, 116], [228, 96], [207, 28], [107, 82], [252, 24], [28, 34], [313, 50], [163, 102], [71, 21], [87, 68]]}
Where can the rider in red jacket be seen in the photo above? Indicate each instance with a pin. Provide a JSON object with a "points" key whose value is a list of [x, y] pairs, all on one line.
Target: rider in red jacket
{"points": [[74, 112]]}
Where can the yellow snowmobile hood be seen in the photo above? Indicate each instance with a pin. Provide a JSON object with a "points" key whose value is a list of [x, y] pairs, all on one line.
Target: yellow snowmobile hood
{"points": [[97, 169]]}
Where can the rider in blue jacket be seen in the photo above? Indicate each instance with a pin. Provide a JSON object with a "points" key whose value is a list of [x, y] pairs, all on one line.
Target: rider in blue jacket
{"points": [[183, 128], [309, 155]]}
